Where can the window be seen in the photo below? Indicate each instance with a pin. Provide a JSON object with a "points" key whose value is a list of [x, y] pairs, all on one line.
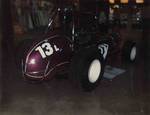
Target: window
{"points": [[124, 1], [139, 1], [111, 1]]}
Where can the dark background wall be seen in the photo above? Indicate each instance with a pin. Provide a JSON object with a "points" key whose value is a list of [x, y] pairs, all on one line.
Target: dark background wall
{"points": [[6, 44], [0, 52]]}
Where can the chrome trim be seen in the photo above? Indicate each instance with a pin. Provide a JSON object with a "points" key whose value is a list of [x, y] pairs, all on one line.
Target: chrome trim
{"points": [[34, 76], [56, 66], [46, 68], [47, 72], [27, 57]]}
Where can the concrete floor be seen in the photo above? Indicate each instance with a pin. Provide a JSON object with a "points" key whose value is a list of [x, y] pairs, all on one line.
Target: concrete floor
{"points": [[127, 94], [0, 60]]}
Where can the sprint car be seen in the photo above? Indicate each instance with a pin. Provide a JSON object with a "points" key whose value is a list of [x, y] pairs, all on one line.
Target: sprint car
{"points": [[77, 42]]}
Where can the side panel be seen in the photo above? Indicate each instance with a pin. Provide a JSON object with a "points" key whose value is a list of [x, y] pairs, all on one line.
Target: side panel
{"points": [[47, 55]]}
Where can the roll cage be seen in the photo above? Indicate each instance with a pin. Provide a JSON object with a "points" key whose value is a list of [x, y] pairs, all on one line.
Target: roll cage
{"points": [[79, 25]]}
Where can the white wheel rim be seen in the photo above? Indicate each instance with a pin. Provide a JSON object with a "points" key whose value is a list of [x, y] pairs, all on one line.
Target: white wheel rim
{"points": [[94, 71], [133, 53]]}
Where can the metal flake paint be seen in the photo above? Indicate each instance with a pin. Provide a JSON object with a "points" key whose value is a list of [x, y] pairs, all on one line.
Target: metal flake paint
{"points": [[37, 67]]}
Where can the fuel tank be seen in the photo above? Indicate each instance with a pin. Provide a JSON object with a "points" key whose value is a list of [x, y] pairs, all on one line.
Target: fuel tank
{"points": [[46, 57]]}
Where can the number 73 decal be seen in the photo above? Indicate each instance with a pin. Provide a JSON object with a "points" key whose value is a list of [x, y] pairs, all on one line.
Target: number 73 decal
{"points": [[46, 49]]}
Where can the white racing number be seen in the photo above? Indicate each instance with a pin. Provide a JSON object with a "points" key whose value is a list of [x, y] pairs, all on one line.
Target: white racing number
{"points": [[46, 49], [103, 49]]}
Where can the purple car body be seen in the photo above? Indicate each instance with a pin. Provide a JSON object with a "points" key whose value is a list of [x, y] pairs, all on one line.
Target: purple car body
{"points": [[53, 53], [46, 56]]}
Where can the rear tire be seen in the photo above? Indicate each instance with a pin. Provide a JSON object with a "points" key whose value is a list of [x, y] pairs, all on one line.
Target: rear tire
{"points": [[130, 51], [87, 68]]}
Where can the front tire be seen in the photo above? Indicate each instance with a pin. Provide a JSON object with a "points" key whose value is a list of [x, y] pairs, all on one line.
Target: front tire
{"points": [[87, 68]]}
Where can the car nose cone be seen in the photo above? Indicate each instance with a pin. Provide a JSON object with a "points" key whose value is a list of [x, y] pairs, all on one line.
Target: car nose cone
{"points": [[35, 65]]}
